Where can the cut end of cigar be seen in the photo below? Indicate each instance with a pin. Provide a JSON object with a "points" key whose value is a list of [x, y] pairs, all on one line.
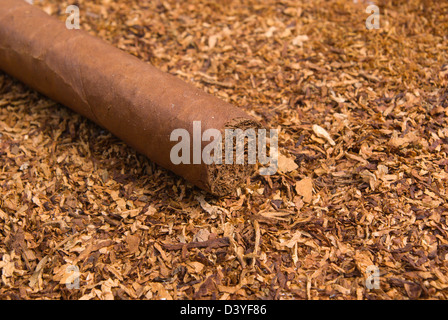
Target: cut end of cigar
{"points": [[224, 179]]}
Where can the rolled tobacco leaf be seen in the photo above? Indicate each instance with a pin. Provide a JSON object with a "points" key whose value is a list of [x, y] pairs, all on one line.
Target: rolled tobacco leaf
{"points": [[132, 99]]}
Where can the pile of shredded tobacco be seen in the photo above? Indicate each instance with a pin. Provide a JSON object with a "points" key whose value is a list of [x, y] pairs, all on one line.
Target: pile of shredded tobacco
{"points": [[357, 209]]}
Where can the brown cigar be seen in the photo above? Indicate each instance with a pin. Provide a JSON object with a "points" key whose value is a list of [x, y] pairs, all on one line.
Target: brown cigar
{"points": [[132, 99]]}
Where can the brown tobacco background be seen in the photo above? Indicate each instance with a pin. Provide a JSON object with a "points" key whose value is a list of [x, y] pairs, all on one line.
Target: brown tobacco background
{"points": [[72, 194]]}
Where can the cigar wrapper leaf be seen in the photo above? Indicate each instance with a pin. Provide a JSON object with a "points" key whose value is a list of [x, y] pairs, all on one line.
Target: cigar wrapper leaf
{"points": [[132, 99]]}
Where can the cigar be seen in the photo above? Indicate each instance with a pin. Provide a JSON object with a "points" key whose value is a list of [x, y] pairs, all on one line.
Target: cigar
{"points": [[132, 99]]}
